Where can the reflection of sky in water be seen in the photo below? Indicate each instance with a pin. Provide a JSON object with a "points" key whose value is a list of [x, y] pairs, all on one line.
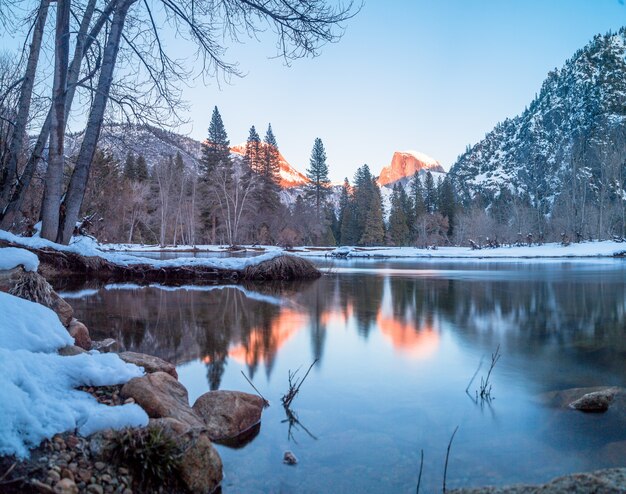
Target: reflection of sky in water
{"points": [[397, 343]]}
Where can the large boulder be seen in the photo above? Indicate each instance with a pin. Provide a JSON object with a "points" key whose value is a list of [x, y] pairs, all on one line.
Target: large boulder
{"points": [[161, 396], [610, 481], [200, 466], [149, 363], [80, 333], [227, 414]]}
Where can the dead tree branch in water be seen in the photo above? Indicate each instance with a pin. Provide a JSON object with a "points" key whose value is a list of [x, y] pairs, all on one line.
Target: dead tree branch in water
{"points": [[419, 477], [265, 402], [445, 469], [294, 422], [485, 386], [294, 386]]}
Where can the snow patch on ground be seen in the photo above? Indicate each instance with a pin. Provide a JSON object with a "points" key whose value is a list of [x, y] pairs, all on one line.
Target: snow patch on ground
{"points": [[37, 387], [550, 250], [87, 246], [12, 257]]}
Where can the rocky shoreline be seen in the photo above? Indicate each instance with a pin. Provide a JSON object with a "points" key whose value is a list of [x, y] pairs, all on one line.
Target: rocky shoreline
{"points": [[174, 453]]}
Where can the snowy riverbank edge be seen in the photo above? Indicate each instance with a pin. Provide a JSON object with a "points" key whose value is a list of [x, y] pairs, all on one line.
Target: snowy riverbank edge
{"points": [[549, 250]]}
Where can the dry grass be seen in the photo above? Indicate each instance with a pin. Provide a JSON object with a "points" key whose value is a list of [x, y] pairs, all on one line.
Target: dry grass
{"points": [[282, 268], [34, 287]]}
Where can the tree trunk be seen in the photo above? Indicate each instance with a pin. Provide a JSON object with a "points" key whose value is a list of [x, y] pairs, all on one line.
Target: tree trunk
{"points": [[16, 147], [78, 182], [83, 42], [54, 176]]}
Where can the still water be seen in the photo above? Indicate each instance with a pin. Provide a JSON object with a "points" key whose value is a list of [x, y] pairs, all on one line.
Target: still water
{"points": [[397, 343]]}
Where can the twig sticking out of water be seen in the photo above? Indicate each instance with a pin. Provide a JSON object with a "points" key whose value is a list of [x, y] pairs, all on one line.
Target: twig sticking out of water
{"points": [[419, 477], [265, 402], [485, 386], [480, 364], [294, 385], [445, 469], [294, 423]]}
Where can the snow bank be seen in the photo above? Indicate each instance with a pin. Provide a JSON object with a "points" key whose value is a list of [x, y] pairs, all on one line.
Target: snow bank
{"points": [[550, 250], [11, 257], [37, 388], [87, 246]]}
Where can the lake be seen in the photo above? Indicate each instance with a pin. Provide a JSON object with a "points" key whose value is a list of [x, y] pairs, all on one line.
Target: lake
{"points": [[397, 343]]}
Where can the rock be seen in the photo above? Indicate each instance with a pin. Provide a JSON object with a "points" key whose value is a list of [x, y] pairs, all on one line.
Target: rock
{"points": [[563, 398], [200, 466], [161, 395], [610, 481], [70, 351], [598, 401], [289, 458], [100, 465], [65, 486], [62, 308], [150, 363], [80, 333], [405, 164], [104, 346], [228, 414], [40, 486], [95, 489]]}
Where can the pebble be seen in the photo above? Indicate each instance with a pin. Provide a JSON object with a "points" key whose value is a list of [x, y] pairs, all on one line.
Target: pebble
{"points": [[100, 465], [53, 475], [66, 473], [95, 489], [105, 478], [289, 458], [65, 486]]}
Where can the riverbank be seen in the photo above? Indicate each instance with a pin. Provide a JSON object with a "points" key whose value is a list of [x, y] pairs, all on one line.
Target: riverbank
{"points": [[85, 256], [79, 417]]}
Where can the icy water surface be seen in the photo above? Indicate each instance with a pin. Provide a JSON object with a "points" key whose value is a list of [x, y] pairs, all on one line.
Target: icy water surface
{"points": [[397, 344]]}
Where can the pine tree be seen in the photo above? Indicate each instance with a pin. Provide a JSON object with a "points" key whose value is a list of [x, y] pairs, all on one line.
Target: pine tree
{"points": [[398, 224], [319, 187], [349, 227], [130, 169], [271, 164], [374, 228], [253, 156], [141, 169], [447, 204], [216, 148], [417, 193], [430, 193]]}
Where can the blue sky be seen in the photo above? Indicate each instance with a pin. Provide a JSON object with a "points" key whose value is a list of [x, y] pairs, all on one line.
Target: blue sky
{"points": [[429, 75]]}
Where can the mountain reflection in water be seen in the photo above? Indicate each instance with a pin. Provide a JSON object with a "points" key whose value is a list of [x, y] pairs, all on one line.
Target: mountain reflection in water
{"points": [[397, 344]]}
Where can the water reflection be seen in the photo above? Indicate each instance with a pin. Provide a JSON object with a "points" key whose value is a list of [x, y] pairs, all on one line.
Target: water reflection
{"points": [[397, 344], [250, 325]]}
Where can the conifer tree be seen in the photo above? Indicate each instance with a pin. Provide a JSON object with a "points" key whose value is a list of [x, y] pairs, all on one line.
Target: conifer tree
{"points": [[430, 193], [271, 165], [319, 187], [398, 224], [216, 148], [374, 228], [447, 203], [349, 227], [141, 169], [253, 156], [417, 193], [130, 170], [344, 199]]}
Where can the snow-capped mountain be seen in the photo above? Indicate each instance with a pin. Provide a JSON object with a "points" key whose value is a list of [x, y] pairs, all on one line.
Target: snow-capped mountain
{"points": [[156, 145], [405, 163], [571, 138]]}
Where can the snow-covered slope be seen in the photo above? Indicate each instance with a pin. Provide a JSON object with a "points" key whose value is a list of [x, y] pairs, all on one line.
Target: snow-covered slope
{"points": [[571, 139], [405, 163]]}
